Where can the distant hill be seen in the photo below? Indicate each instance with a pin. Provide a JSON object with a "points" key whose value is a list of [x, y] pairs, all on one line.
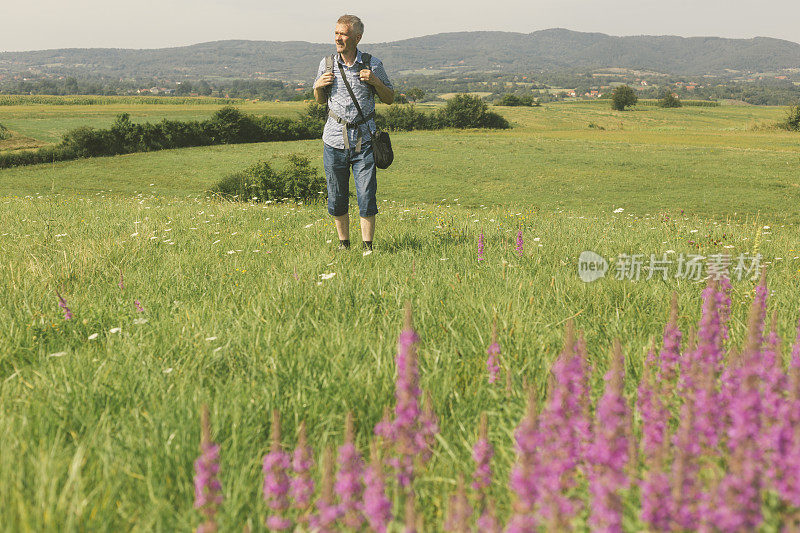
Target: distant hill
{"points": [[553, 49]]}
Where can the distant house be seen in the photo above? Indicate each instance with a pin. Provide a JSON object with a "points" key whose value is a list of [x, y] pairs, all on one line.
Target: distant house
{"points": [[644, 83], [691, 87], [572, 93]]}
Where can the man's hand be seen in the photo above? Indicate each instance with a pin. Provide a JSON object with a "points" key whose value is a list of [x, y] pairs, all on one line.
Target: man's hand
{"points": [[384, 93], [324, 80], [320, 95], [367, 76]]}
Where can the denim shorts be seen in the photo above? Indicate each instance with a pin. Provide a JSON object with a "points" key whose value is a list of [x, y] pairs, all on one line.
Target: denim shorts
{"points": [[337, 164]]}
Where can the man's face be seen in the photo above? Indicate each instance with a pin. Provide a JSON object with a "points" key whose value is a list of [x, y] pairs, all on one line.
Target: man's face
{"points": [[346, 39]]}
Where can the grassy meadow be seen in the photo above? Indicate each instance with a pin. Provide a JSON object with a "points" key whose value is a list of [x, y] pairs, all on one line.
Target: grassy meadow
{"points": [[99, 415], [706, 161]]}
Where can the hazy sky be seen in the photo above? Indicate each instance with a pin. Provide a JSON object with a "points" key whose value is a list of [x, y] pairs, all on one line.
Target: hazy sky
{"points": [[40, 24]]}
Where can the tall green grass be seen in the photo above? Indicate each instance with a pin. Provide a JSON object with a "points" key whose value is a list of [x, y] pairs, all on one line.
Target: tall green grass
{"points": [[100, 434]]}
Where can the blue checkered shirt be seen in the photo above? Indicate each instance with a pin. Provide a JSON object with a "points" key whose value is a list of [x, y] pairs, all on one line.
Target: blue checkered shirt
{"points": [[342, 105]]}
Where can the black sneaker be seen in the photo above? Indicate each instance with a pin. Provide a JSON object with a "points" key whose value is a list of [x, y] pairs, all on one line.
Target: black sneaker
{"points": [[344, 245]]}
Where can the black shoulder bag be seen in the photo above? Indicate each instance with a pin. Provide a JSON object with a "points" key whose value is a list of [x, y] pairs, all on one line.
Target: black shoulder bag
{"points": [[381, 144]]}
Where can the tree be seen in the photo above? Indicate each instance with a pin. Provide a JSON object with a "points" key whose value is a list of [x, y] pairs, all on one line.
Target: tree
{"points": [[204, 88], [669, 100], [622, 97], [415, 94]]}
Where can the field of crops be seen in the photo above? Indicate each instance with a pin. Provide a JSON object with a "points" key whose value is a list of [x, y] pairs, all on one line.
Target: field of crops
{"points": [[131, 300]]}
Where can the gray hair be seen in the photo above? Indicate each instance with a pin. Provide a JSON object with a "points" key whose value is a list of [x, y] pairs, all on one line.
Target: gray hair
{"points": [[354, 22]]}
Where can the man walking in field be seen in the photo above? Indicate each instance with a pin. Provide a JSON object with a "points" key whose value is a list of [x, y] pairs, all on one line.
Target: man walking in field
{"points": [[346, 136]]}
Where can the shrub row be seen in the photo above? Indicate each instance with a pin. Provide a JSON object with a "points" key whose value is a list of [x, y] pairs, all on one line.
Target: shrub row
{"points": [[3, 133], [461, 111], [684, 103], [260, 182], [226, 126], [229, 126]]}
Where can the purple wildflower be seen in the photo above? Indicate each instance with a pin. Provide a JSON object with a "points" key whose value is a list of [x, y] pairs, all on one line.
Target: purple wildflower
{"points": [[410, 516], [327, 511], [608, 453], [276, 481], [428, 428], [121, 283], [519, 242], [566, 431], [657, 504], [301, 487], [349, 486], [787, 482], [671, 349], [658, 507], [412, 431], [738, 505], [459, 510], [492, 362], [796, 347], [773, 385], [139, 308], [482, 454], [488, 522], [686, 490], [207, 488], [480, 247], [62, 303], [377, 507], [523, 480]]}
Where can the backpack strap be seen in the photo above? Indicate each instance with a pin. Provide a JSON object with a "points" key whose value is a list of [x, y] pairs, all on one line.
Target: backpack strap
{"points": [[328, 70], [366, 60]]}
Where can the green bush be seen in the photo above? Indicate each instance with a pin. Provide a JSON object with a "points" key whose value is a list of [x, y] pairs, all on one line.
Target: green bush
{"points": [[792, 122], [622, 97], [317, 111], [669, 100], [514, 100], [299, 181], [467, 111], [4, 134], [405, 118]]}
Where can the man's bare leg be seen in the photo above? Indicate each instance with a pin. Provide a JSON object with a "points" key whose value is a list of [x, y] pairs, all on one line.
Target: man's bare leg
{"points": [[367, 228], [343, 226]]}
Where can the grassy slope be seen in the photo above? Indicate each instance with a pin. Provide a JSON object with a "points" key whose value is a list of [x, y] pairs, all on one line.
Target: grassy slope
{"points": [[104, 436]]}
